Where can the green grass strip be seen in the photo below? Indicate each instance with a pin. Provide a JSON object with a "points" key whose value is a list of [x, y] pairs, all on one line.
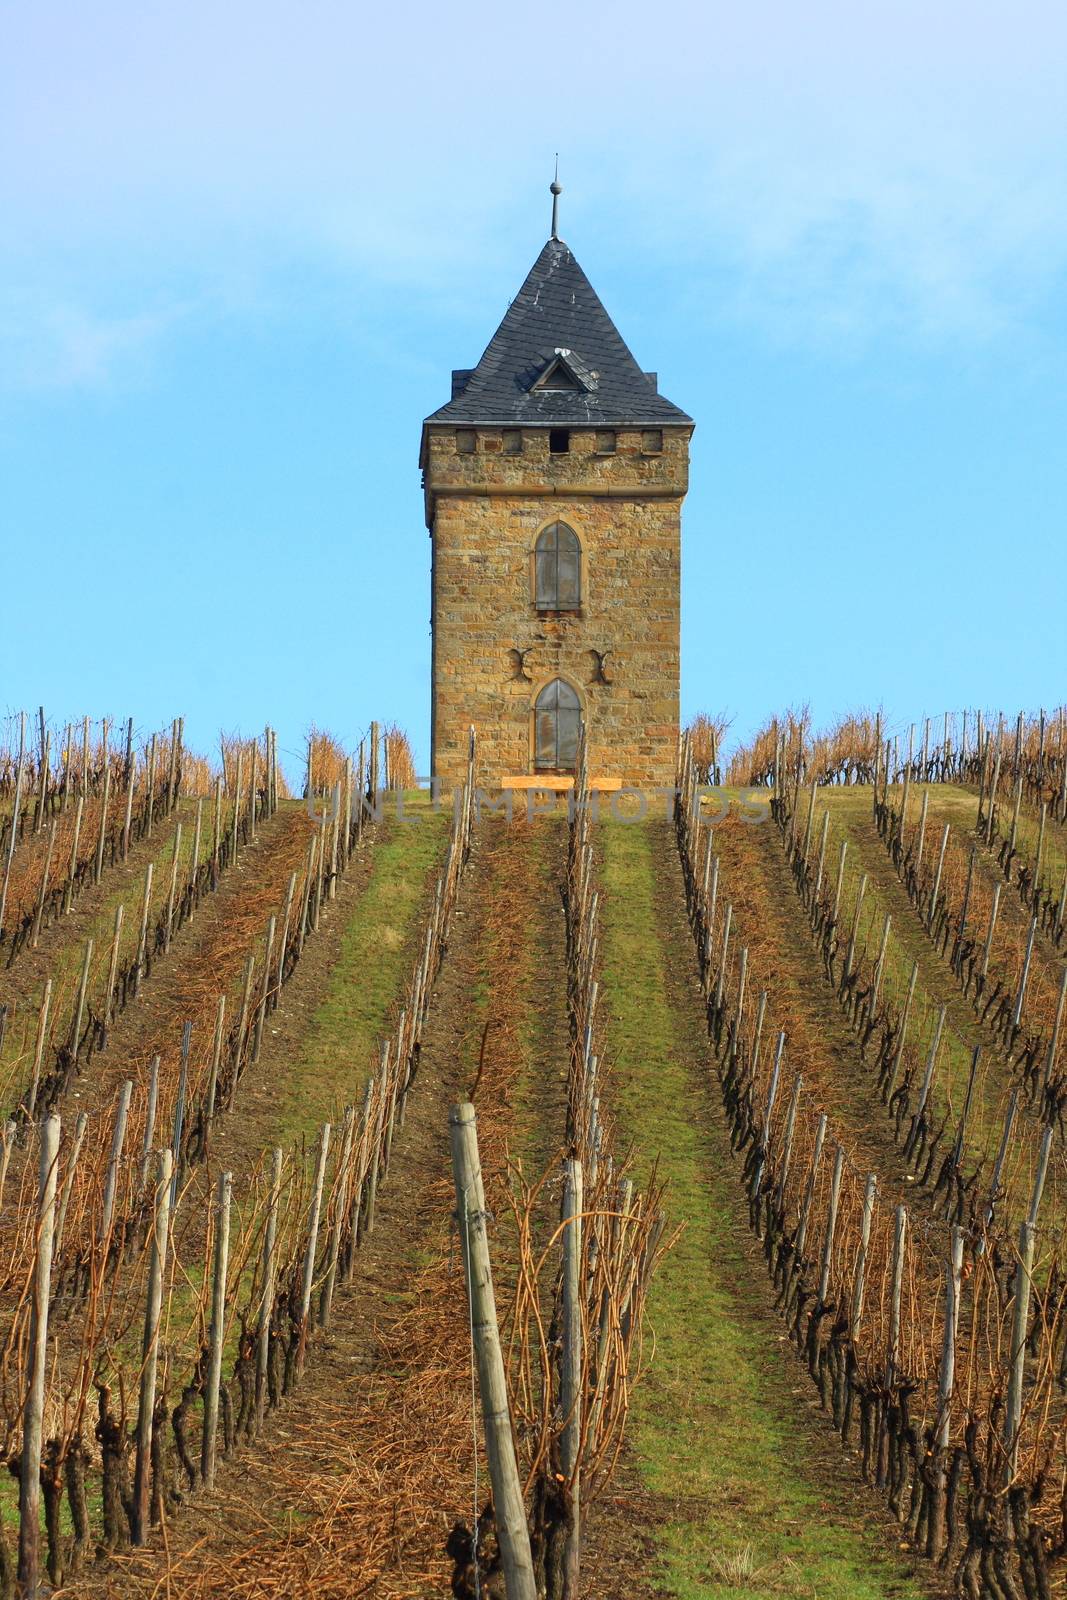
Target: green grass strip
{"points": [[340, 1044], [715, 1433]]}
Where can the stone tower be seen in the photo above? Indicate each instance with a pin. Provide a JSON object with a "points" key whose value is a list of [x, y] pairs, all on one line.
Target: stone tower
{"points": [[554, 480]]}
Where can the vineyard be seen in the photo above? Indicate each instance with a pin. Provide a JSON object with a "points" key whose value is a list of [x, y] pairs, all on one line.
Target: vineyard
{"points": [[405, 1195]]}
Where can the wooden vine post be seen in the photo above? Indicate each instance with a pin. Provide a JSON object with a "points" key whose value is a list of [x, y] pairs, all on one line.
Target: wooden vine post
{"points": [[127, 817], [376, 1143], [113, 968], [98, 862], [179, 1109], [509, 1510], [261, 1009], [43, 891], [1013, 1410], [13, 835], [571, 1369], [859, 1273], [266, 1310], [169, 929], [1054, 1039], [68, 898], [373, 775], [900, 1234], [150, 1120], [218, 1329], [68, 1179], [216, 1063], [142, 1480], [142, 941], [118, 1138], [79, 1007], [935, 1534], [38, 1050], [312, 1244], [340, 1212], [33, 1411]]}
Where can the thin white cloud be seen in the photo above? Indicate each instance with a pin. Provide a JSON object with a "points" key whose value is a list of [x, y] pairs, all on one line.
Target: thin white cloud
{"points": [[47, 345], [835, 171]]}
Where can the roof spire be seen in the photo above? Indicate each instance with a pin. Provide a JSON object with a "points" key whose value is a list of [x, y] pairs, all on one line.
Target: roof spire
{"points": [[555, 189]]}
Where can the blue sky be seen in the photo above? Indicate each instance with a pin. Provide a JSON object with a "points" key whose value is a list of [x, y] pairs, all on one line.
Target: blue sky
{"points": [[242, 246]]}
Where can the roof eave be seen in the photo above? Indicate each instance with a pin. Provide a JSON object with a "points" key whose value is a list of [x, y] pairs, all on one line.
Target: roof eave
{"points": [[641, 419]]}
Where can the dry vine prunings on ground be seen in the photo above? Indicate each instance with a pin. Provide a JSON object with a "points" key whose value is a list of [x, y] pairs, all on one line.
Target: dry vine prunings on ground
{"points": [[1016, 994], [60, 1039], [505, 861], [378, 1521], [215, 965], [375, 1526], [952, 1363], [965, 1128], [374, 1523], [224, 942], [312, 1213], [830, 1075], [573, 1325], [149, 1117]]}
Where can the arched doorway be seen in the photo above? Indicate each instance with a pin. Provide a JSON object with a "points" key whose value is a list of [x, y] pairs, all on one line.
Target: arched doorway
{"points": [[557, 717]]}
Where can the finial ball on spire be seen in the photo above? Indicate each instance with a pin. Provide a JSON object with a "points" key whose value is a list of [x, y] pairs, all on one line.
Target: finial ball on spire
{"points": [[555, 189]]}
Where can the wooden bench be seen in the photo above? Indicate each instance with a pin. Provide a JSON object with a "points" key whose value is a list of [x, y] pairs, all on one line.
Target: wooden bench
{"points": [[557, 783]]}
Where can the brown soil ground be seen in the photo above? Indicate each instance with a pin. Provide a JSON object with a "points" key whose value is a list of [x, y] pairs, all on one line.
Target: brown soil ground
{"points": [[254, 1125], [783, 959], [959, 807], [205, 958], [355, 1483], [31, 856], [22, 982], [866, 847]]}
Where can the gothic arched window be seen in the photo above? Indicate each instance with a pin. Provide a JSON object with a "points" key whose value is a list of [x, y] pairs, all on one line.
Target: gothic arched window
{"points": [[557, 717], [558, 569]]}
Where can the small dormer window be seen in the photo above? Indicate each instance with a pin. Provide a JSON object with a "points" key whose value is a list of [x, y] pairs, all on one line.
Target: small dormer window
{"points": [[558, 378], [562, 371]]}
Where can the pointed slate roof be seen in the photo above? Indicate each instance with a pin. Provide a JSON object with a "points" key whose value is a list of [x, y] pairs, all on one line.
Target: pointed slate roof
{"points": [[557, 320]]}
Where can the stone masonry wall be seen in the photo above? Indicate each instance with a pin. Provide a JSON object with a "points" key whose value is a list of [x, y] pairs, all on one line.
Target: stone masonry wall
{"points": [[486, 510]]}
